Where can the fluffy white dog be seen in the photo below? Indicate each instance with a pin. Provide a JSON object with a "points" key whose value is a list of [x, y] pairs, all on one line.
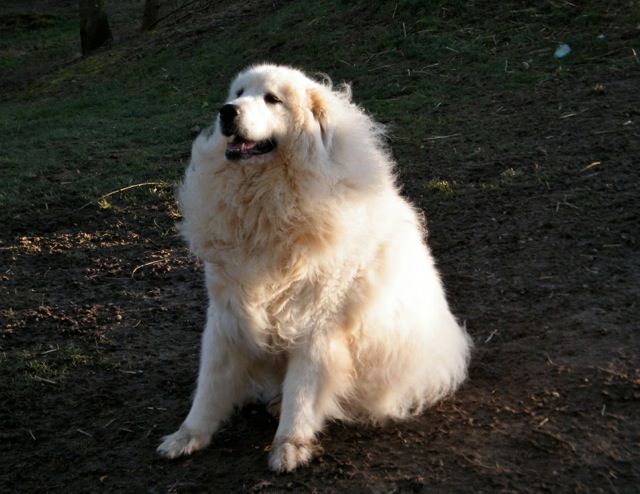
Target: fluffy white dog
{"points": [[322, 289]]}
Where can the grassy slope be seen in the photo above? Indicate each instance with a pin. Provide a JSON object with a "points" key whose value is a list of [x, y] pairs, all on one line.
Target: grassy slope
{"points": [[125, 115]]}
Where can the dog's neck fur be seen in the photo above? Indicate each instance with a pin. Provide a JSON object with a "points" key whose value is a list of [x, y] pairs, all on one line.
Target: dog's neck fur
{"points": [[261, 209], [262, 241]]}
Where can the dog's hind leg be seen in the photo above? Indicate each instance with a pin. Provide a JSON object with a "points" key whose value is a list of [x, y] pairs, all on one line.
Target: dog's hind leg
{"points": [[222, 385], [319, 373]]}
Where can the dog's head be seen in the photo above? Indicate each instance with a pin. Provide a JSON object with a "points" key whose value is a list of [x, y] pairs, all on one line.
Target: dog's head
{"points": [[275, 111]]}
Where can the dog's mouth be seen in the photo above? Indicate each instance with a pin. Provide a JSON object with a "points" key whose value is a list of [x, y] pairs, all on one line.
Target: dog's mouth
{"points": [[241, 149]]}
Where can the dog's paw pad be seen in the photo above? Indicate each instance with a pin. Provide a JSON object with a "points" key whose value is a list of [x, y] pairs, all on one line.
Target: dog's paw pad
{"points": [[289, 455], [182, 442]]}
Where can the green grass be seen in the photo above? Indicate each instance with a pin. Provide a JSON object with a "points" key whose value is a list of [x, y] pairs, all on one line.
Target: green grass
{"points": [[442, 189], [28, 371], [125, 115], [49, 38], [48, 365]]}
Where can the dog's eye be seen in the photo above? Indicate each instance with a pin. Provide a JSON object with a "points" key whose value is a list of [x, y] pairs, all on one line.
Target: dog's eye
{"points": [[272, 99], [239, 92]]}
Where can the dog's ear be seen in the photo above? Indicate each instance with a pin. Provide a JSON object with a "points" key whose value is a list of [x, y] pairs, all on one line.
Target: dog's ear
{"points": [[320, 111]]}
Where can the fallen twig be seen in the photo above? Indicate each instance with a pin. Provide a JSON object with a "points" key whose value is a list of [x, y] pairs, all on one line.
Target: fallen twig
{"points": [[44, 380], [123, 189], [109, 423], [591, 165], [493, 333], [435, 138], [573, 114], [558, 438], [565, 203], [146, 264], [85, 433]]}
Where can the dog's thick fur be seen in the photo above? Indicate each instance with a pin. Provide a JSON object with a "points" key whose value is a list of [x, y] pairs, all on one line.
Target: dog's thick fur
{"points": [[321, 287]]}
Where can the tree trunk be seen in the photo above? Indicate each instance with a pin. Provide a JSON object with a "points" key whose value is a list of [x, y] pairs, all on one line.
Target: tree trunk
{"points": [[94, 25], [150, 16]]}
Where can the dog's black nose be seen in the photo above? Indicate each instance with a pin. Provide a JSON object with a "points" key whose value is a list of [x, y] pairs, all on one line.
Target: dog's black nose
{"points": [[228, 114]]}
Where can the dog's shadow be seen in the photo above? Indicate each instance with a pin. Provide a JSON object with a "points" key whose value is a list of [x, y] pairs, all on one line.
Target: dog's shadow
{"points": [[251, 422]]}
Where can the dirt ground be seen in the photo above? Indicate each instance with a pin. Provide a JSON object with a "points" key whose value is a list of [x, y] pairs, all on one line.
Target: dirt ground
{"points": [[535, 227]]}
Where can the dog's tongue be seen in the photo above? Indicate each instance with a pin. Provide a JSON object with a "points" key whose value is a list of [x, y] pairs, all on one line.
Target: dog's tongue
{"points": [[241, 145]]}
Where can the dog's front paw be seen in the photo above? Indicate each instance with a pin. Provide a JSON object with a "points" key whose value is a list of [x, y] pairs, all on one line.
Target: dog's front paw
{"points": [[287, 455], [182, 442]]}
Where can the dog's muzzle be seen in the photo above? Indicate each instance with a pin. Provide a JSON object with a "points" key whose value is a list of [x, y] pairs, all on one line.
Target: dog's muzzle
{"points": [[240, 148]]}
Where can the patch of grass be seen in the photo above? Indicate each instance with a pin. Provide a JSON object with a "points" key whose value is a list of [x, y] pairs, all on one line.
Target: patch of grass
{"points": [[33, 365], [46, 38], [52, 365], [444, 187], [24, 373], [75, 357], [509, 175], [41, 369], [441, 188]]}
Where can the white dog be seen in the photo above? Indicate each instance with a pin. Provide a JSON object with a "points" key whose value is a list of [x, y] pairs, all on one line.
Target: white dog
{"points": [[322, 289]]}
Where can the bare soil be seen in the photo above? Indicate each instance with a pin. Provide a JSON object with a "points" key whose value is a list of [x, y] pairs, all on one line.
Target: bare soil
{"points": [[98, 354]]}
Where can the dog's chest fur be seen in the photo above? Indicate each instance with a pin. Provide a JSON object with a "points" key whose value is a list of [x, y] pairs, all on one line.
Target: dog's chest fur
{"points": [[270, 258]]}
